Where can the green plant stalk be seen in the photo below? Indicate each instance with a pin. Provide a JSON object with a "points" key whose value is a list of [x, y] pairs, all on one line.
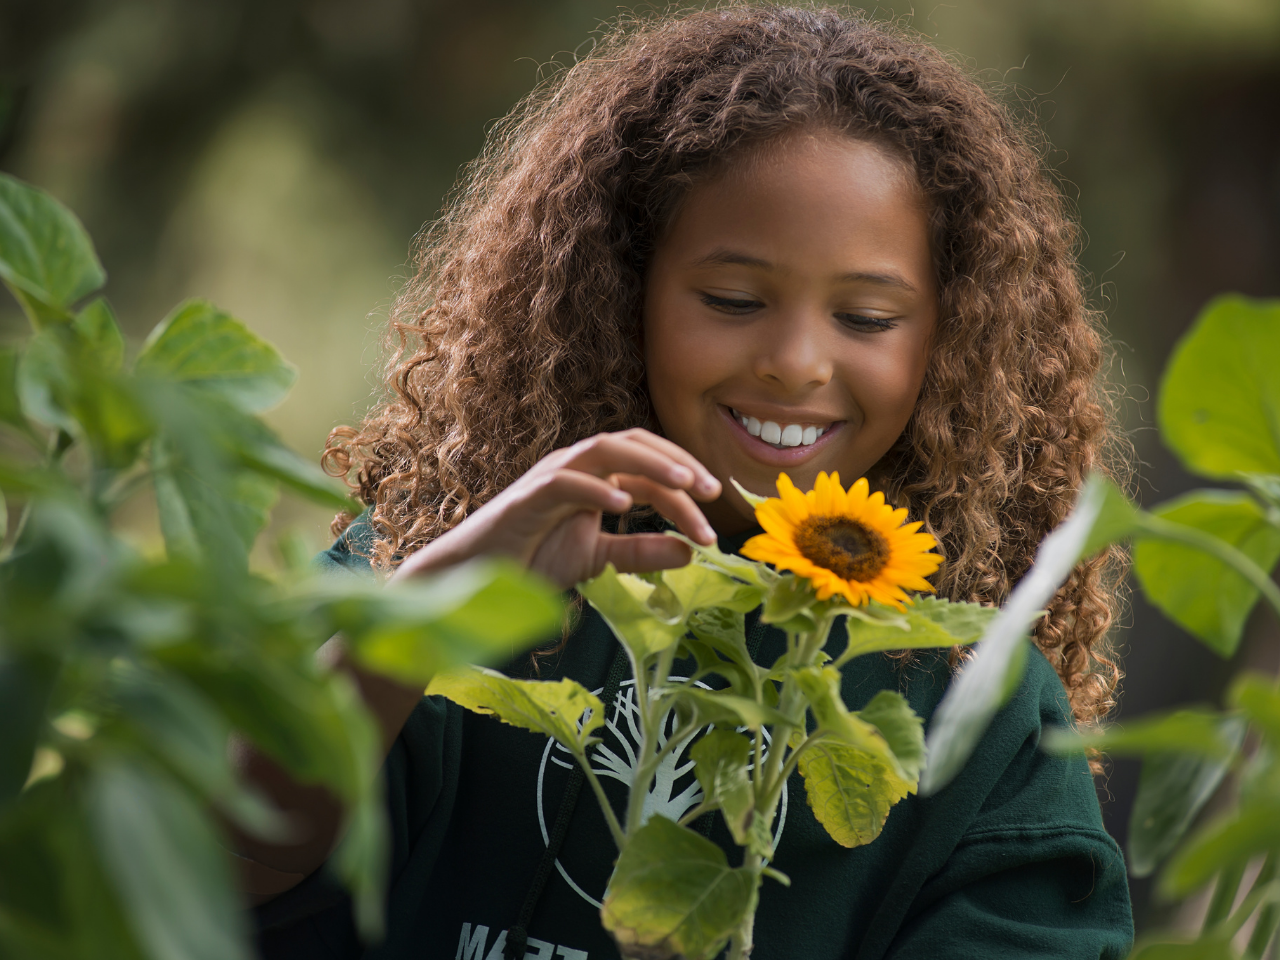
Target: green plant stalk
{"points": [[1268, 917], [1219, 549], [770, 779], [743, 940], [1267, 893], [59, 444], [615, 828], [1224, 895]]}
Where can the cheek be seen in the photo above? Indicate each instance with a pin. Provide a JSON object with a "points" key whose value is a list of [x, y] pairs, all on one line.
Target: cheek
{"points": [[683, 354], [888, 385]]}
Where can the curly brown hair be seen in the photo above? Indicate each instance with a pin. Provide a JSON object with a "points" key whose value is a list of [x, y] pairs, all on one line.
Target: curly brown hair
{"points": [[518, 333]]}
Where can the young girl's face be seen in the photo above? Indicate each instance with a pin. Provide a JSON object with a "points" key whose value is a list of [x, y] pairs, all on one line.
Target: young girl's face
{"points": [[787, 317]]}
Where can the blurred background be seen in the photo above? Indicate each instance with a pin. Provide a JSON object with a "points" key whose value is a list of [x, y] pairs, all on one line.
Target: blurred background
{"points": [[277, 157]]}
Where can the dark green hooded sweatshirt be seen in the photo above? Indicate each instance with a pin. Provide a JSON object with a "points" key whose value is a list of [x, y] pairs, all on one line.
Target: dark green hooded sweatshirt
{"points": [[1010, 860]]}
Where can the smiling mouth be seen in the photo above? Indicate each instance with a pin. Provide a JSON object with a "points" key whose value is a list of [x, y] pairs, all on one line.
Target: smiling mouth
{"points": [[781, 436]]}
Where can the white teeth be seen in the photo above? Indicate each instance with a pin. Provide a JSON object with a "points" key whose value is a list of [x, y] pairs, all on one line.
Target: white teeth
{"points": [[792, 435]]}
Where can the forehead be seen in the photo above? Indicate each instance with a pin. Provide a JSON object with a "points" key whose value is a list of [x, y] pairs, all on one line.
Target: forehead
{"points": [[811, 199]]}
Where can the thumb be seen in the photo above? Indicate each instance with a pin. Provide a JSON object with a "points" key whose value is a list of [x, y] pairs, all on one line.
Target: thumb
{"points": [[641, 552]]}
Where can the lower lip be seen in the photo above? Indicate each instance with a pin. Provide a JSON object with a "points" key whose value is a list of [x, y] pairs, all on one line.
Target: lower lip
{"points": [[775, 456]]}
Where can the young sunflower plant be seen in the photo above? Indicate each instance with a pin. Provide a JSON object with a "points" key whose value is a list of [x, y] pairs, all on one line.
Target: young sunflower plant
{"points": [[826, 555]]}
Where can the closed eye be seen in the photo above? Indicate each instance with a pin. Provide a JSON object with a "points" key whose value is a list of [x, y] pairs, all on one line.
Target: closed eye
{"points": [[730, 304], [869, 324]]}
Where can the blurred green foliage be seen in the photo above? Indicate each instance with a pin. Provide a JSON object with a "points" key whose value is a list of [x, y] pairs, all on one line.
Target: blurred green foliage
{"points": [[277, 157], [1204, 559], [123, 674]]}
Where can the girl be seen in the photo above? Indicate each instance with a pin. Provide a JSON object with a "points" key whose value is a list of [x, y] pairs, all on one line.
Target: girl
{"points": [[748, 240]]}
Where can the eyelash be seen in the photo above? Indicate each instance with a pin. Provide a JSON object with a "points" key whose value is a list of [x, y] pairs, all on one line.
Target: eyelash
{"points": [[855, 321]]}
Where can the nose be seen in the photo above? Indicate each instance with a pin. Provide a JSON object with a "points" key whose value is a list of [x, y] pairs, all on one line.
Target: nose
{"points": [[793, 353]]}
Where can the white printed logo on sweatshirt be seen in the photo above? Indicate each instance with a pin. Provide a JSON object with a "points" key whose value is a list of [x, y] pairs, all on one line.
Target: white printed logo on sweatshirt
{"points": [[675, 789], [472, 942]]}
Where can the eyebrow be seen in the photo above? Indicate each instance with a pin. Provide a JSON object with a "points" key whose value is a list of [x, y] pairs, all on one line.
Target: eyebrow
{"points": [[721, 258]]}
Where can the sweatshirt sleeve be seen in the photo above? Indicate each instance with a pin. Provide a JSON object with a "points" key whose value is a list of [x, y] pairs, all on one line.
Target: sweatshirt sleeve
{"points": [[1034, 874]]}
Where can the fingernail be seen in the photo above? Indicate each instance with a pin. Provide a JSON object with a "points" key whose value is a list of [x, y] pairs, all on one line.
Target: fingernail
{"points": [[708, 534], [681, 476], [708, 484]]}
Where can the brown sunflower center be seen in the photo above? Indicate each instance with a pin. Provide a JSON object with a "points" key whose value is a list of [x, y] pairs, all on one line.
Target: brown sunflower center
{"points": [[846, 547]]}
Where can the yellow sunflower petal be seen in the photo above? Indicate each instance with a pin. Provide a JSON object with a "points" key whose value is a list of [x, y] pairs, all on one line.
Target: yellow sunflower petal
{"points": [[911, 555]]}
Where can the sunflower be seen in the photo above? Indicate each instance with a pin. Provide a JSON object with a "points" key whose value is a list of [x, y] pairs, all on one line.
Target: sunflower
{"points": [[853, 543]]}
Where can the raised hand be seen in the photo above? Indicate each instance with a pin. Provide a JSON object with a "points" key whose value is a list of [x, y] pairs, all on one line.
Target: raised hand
{"points": [[549, 519]]}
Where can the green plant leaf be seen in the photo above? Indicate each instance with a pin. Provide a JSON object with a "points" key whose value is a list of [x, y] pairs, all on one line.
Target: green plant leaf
{"points": [[1208, 947], [361, 862], [554, 708], [485, 611], [987, 681], [623, 600], [10, 405], [697, 586], [44, 381], [1187, 755], [1219, 407], [821, 688], [265, 454], [1197, 591], [748, 571], [170, 872], [1236, 837], [753, 499], [1172, 790], [201, 345], [1257, 696], [852, 789], [901, 728], [179, 725], [45, 253], [1197, 732], [316, 729], [1266, 487], [721, 759], [723, 630], [25, 682], [103, 343], [62, 383], [718, 706], [790, 598], [927, 622], [673, 893]]}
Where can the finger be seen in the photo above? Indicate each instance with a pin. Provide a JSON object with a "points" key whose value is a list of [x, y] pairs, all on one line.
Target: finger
{"points": [[676, 505], [706, 487], [632, 452], [556, 496], [640, 552]]}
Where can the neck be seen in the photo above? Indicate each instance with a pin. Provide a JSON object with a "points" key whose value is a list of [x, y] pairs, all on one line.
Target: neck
{"points": [[726, 518]]}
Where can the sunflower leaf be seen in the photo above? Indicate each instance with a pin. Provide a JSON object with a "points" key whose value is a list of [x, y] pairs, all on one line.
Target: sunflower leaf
{"points": [[928, 622], [721, 759], [789, 605], [697, 587], [673, 893], [753, 499], [735, 566], [624, 601], [821, 688], [851, 789], [563, 709]]}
